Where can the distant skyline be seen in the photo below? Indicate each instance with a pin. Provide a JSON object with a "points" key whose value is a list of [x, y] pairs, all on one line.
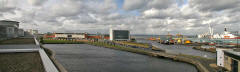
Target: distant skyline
{"points": [[158, 17]]}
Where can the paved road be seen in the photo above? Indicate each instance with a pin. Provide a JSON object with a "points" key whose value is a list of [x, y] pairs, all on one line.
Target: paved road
{"points": [[179, 49], [182, 49]]}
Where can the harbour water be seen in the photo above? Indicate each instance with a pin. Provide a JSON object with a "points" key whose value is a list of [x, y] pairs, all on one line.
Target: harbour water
{"points": [[87, 58]]}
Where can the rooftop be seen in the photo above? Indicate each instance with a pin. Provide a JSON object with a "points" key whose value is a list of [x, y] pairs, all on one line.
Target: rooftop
{"points": [[8, 21], [235, 53], [69, 33]]}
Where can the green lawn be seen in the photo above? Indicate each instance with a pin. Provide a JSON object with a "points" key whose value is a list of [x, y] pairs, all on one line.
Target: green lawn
{"points": [[134, 44], [134, 50], [60, 42], [20, 62]]}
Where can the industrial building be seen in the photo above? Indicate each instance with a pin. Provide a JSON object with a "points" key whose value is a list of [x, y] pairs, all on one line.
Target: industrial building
{"points": [[66, 35], [119, 35], [229, 59], [9, 29], [232, 60], [220, 56], [97, 36]]}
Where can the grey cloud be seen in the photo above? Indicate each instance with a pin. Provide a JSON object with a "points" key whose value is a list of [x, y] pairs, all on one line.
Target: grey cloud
{"points": [[214, 5], [66, 8], [36, 2], [8, 5], [160, 4], [147, 4], [134, 4]]}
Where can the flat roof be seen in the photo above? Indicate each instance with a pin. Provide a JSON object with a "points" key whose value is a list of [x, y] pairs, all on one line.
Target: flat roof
{"points": [[234, 53], [120, 30], [69, 33], [8, 21]]}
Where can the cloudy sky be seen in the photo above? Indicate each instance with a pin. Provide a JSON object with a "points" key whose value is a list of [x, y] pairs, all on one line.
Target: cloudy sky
{"points": [[139, 16]]}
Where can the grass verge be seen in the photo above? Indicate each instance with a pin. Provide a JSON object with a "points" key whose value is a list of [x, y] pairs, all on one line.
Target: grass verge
{"points": [[134, 50], [213, 50], [143, 45], [44, 41]]}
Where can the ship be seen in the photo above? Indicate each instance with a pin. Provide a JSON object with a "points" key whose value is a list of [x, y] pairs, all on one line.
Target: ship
{"points": [[218, 39], [225, 35]]}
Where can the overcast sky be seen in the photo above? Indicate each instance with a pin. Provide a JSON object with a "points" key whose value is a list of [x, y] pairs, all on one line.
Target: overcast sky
{"points": [[139, 16]]}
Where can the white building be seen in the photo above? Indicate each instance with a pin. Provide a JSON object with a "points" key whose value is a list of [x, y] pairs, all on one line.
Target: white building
{"points": [[119, 35], [32, 31], [220, 56], [70, 35]]}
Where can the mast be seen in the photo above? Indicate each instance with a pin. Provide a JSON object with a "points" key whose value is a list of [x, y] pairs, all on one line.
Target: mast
{"points": [[210, 30]]}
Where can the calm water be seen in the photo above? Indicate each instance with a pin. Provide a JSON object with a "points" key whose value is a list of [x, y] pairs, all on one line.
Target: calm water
{"points": [[87, 58]]}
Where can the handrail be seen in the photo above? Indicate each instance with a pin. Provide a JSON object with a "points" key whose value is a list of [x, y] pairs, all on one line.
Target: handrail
{"points": [[48, 64]]}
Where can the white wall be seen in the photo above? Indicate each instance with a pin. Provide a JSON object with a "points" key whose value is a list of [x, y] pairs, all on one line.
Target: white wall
{"points": [[220, 56], [61, 35], [78, 36], [73, 35], [111, 35]]}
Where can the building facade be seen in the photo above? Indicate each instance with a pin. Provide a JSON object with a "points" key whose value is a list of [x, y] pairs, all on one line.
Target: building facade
{"points": [[32, 31], [119, 35], [66, 35], [232, 60], [220, 56], [20, 32], [9, 29]]}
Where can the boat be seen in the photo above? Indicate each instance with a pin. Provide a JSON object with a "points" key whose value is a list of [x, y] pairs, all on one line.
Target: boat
{"points": [[226, 38], [225, 35]]}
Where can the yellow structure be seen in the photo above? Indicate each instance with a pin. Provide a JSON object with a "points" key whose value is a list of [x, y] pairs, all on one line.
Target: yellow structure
{"points": [[187, 41], [179, 38], [179, 41]]}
